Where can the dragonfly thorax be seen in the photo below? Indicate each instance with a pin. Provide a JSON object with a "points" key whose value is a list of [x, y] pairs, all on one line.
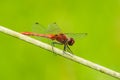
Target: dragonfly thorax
{"points": [[71, 41]]}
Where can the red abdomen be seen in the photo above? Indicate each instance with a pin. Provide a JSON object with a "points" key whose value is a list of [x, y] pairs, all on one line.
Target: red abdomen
{"points": [[50, 36], [28, 33]]}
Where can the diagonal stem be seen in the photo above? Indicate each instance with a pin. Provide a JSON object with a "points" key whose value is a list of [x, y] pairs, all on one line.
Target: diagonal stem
{"points": [[60, 52]]}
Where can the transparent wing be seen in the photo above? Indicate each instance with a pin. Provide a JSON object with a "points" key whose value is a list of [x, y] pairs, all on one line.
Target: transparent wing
{"points": [[53, 28], [38, 28], [76, 35]]}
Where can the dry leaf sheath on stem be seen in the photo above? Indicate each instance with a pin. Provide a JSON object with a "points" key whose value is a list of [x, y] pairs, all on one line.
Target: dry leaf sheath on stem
{"points": [[60, 52]]}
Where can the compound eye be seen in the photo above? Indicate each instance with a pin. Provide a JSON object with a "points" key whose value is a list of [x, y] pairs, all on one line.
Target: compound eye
{"points": [[71, 41]]}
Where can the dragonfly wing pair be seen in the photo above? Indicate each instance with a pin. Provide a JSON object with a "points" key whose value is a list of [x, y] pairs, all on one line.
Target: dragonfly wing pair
{"points": [[54, 29], [51, 29]]}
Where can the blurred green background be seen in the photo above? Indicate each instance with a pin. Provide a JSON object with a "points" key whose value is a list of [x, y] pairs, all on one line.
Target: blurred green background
{"points": [[23, 61]]}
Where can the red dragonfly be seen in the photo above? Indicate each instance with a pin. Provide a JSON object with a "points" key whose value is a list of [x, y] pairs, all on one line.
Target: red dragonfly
{"points": [[53, 32]]}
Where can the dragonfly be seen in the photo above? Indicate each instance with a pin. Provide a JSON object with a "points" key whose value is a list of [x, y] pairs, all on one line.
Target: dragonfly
{"points": [[54, 33]]}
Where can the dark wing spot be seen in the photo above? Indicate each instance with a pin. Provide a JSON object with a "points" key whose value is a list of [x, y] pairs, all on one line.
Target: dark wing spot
{"points": [[86, 33], [54, 23], [61, 34], [56, 35], [36, 23]]}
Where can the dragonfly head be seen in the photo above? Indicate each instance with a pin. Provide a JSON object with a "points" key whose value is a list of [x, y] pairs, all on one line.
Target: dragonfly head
{"points": [[71, 41]]}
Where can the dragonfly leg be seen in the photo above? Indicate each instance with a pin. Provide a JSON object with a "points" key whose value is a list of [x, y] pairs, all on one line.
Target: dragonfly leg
{"points": [[53, 45], [69, 49], [64, 49]]}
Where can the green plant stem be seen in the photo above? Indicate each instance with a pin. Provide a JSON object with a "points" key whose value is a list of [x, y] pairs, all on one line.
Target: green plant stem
{"points": [[60, 52]]}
